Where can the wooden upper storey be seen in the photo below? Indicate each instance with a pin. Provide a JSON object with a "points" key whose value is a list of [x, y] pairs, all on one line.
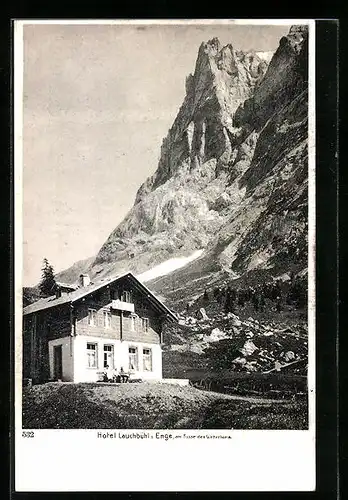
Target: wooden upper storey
{"points": [[122, 309]]}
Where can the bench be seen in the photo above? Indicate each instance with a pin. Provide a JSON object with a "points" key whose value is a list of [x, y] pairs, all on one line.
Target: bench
{"points": [[120, 378]]}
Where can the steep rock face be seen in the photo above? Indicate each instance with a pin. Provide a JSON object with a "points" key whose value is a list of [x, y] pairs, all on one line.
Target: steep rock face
{"points": [[178, 209], [266, 231], [269, 228], [222, 80], [286, 77], [231, 179]]}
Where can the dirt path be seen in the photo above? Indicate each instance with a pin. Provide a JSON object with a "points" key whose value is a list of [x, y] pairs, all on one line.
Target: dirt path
{"points": [[250, 399], [255, 399], [139, 389]]}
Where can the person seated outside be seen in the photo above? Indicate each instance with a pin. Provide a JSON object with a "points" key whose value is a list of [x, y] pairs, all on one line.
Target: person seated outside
{"points": [[105, 373], [108, 374], [116, 376], [123, 375]]}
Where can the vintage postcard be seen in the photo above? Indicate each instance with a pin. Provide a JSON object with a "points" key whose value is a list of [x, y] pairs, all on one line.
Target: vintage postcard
{"points": [[164, 267]]}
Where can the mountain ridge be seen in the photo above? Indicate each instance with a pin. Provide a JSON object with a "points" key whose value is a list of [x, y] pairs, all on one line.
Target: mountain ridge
{"points": [[232, 174]]}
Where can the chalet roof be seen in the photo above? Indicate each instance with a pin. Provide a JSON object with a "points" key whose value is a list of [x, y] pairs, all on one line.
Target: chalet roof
{"points": [[82, 292], [66, 285]]}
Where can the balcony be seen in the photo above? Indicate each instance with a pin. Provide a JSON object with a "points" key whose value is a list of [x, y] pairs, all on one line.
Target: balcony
{"points": [[120, 305]]}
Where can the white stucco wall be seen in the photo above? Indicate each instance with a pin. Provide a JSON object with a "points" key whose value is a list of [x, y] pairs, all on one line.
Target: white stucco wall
{"points": [[84, 374], [156, 372], [67, 344]]}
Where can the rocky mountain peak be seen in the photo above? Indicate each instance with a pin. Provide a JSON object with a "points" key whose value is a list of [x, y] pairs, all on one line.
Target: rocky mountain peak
{"points": [[222, 80], [232, 170], [211, 47], [297, 34]]}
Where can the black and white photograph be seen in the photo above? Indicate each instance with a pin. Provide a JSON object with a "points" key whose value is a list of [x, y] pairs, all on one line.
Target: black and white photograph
{"points": [[167, 252]]}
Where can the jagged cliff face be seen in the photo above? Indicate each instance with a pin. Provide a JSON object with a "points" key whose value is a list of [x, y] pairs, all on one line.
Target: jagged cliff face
{"points": [[178, 209], [269, 227], [232, 175]]}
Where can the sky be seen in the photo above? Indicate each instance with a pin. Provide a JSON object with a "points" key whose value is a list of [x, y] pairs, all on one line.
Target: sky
{"points": [[97, 102]]}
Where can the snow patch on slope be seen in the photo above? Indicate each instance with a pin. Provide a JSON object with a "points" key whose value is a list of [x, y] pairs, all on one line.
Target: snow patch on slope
{"points": [[168, 266], [266, 56]]}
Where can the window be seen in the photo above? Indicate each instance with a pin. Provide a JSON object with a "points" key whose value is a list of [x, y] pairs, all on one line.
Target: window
{"points": [[108, 356], [126, 296], [145, 324], [107, 319], [114, 294], [92, 355], [133, 323], [133, 358], [92, 317], [147, 360]]}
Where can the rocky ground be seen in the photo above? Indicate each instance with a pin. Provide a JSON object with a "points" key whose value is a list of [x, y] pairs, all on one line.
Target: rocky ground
{"points": [[207, 340], [153, 406], [260, 344]]}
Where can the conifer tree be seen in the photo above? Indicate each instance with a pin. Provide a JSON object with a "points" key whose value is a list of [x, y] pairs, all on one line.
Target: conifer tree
{"points": [[48, 283]]}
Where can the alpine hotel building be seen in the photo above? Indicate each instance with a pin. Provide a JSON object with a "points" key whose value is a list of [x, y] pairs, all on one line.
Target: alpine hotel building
{"points": [[73, 335]]}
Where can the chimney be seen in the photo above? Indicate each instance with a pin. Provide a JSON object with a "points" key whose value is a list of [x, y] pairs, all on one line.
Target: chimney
{"points": [[84, 280], [58, 292]]}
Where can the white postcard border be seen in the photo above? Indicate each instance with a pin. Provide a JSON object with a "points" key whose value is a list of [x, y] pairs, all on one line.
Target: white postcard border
{"points": [[79, 460]]}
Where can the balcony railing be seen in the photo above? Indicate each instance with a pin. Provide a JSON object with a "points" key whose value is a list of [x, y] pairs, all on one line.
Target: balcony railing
{"points": [[122, 306]]}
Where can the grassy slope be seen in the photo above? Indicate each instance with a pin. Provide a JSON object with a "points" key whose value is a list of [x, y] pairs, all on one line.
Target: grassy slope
{"points": [[152, 406]]}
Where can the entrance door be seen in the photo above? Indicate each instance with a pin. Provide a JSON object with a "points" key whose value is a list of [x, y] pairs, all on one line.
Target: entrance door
{"points": [[57, 362]]}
